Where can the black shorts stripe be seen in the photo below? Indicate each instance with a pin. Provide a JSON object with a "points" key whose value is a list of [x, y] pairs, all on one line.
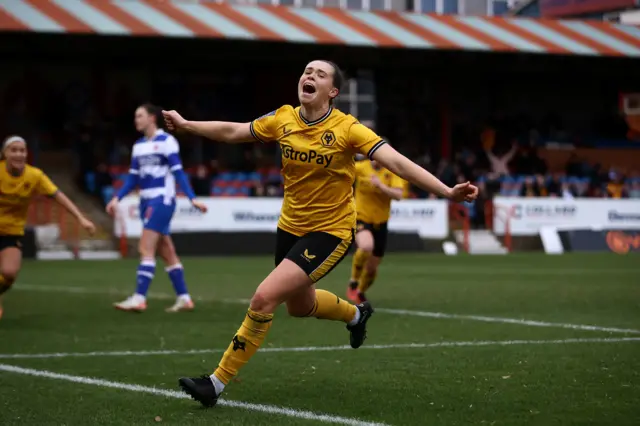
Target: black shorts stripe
{"points": [[331, 261]]}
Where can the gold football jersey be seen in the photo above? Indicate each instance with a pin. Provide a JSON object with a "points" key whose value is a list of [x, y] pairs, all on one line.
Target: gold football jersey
{"points": [[318, 167], [372, 205], [15, 195]]}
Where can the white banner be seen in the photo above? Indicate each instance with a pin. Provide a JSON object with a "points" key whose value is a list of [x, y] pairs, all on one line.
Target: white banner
{"points": [[528, 215], [429, 218]]}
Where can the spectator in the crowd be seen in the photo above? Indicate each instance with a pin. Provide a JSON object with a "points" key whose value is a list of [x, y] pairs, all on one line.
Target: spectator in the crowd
{"points": [[467, 164], [568, 191], [596, 191], [530, 188], [446, 172], [542, 185], [574, 166], [554, 187], [500, 164], [615, 187], [249, 163], [597, 176], [634, 188], [492, 185], [478, 219], [103, 178], [201, 181], [528, 162]]}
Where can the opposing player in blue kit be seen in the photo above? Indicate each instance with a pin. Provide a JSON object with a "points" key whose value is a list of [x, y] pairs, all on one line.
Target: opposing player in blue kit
{"points": [[155, 169]]}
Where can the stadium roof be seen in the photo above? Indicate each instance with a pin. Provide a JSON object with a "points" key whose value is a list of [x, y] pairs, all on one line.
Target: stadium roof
{"points": [[326, 26]]}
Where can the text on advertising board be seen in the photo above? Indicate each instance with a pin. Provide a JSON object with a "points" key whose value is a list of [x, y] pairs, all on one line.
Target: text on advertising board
{"points": [[541, 210], [428, 218], [528, 215], [616, 216]]}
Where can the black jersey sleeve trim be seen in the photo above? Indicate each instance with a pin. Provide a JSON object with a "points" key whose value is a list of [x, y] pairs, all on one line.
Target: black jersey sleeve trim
{"points": [[375, 148], [253, 133]]}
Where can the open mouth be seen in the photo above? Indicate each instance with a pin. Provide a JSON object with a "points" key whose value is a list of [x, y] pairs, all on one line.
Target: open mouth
{"points": [[308, 88]]}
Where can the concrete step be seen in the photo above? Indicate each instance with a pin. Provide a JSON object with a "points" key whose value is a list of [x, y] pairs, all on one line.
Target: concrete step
{"points": [[497, 250], [484, 246], [481, 242]]}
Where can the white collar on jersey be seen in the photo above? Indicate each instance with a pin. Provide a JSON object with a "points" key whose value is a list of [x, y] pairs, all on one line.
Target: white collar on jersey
{"points": [[158, 132]]}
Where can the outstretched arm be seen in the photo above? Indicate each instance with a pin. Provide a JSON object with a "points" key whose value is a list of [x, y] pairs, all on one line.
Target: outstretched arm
{"points": [[65, 202], [222, 131], [46, 187], [408, 170]]}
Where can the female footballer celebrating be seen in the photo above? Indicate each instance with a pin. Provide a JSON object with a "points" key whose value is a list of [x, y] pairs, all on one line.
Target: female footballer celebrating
{"points": [[19, 182], [318, 214]]}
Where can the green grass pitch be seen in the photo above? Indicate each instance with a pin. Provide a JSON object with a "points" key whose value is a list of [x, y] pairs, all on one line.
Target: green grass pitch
{"points": [[527, 357]]}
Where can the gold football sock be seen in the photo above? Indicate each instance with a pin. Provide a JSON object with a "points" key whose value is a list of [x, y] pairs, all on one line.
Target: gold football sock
{"points": [[245, 343], [359, 259], [331, 307], [367, 280], [4, 286]]}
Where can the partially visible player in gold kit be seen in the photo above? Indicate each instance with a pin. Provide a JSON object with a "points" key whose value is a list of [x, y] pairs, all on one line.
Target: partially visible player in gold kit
{"points": [[318, 215], [375, 188], [19, 183]]}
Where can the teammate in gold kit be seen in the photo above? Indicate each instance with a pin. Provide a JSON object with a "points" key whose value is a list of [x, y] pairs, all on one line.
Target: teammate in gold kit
{"points": [[19, 182], [374, 190], [318, 214]]}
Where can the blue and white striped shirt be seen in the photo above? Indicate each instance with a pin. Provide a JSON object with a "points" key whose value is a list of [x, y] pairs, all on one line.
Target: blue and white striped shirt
{"points": [[154, 161]]}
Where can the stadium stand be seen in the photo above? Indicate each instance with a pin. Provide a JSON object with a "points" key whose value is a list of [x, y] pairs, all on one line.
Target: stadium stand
{"points": [[459, 125]]}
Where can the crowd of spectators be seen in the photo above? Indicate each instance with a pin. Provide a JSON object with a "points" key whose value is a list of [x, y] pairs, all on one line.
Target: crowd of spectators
{"points": [[519, 172]]}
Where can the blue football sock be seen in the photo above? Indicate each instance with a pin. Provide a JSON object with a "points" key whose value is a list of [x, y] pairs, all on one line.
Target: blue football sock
{"points": [[176, 274], [146, 270]]}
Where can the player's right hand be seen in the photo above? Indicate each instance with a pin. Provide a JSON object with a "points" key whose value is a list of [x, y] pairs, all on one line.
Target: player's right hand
{"points": [[173, 120], [112, 206], [199, 205], [88, 226]]}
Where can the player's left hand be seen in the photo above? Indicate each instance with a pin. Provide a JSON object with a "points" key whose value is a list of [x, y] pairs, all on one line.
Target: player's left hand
{"points": [[112, 207], [375, 181], [463, 192], [199, 205], [88, 226]]}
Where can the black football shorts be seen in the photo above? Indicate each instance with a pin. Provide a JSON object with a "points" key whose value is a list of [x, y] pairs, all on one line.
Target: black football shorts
{"points": [[317, 253]]}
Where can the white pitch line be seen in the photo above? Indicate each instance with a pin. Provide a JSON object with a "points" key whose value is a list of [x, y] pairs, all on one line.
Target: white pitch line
{"points": [[402, 312], [269, 409], [530, 323], [322, 348]]}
